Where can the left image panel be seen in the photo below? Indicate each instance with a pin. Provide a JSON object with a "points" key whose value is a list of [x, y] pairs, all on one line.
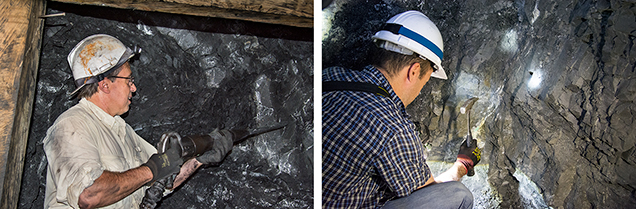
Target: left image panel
{"points": [[225, 99]]}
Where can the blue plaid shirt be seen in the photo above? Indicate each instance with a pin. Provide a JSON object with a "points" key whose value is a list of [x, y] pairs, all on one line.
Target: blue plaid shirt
{"points": [[371, 152]]}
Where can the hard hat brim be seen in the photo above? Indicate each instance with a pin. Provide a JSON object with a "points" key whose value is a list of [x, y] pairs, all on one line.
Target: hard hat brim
{"points": [[439, 73], [77, 90]]}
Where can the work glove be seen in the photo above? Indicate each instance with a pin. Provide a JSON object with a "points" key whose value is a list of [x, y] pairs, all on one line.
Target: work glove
{"points": [[222, 144], [167, 163], [469, 156], [156, 191]]}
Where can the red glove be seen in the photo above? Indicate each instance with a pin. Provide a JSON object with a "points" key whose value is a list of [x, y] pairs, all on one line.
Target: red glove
{"points": [[469, 156]]}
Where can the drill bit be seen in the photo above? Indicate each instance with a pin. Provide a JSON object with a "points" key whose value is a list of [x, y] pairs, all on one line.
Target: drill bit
{"points": [[238, 135]]}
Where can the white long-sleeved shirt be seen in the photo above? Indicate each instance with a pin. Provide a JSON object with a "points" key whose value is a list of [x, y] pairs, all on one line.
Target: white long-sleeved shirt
{"points": [[82, 143]]}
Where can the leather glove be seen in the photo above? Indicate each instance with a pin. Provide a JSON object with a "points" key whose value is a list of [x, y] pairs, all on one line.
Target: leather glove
{"points": [[156, 192], [469, 156], [222, 144], [166, 163]]}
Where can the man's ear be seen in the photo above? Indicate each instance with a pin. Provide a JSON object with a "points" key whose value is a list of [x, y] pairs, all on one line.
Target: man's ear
{"points": [[104, 86], [413, 72]]}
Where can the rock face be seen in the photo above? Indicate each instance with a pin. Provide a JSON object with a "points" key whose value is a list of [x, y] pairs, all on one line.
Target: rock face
{"points": [[556, 87], [194, 75]]}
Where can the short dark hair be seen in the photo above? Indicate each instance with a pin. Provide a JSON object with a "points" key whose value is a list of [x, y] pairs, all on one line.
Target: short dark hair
{"points": [[393, 62], [91, 89]]}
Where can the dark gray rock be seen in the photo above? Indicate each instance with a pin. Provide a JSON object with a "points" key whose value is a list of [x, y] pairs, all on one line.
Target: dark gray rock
{"points": [[194, 75], [556, 86]]}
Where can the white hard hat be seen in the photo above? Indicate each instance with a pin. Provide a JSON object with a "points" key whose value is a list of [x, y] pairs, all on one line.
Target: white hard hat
{"points": [[412, 31], [94, 57]]}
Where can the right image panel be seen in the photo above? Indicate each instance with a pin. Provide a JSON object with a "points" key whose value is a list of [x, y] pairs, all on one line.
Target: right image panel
{"points": [[478, 104]]}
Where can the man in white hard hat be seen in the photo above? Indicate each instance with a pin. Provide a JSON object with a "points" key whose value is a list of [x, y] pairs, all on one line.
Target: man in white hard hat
{"points": [[372, 155], [95, 159]]}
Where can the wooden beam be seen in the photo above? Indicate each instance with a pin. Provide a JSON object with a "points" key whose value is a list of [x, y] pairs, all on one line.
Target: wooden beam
{"points": [[300, 8], [284, 12], [21, 33]]}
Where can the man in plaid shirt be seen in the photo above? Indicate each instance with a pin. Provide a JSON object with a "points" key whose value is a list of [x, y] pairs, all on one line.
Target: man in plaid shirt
{"points": [[372, 155]]}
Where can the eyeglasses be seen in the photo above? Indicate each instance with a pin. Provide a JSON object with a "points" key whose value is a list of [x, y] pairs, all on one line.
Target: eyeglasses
{"points": [[131, 80], [433, 66], [429, 62]]}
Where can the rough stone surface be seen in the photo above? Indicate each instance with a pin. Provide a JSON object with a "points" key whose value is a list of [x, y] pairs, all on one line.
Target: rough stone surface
{"points": [[556, 88], [194, 75]]}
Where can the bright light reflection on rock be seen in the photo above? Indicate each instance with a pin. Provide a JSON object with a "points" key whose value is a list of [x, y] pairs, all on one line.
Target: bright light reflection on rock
{"points": [[535, 80], [509, 41]]}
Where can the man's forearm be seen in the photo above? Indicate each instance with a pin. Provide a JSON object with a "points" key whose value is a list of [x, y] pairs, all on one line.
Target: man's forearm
{"points": [[111, 187], [186, 171], [455, 173]]}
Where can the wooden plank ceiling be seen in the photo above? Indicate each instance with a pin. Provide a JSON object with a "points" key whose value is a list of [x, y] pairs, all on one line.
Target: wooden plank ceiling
{"points": [[298, 13]]}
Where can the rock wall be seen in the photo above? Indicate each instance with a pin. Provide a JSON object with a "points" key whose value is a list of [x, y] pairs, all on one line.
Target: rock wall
{"points": [[556, 88], [194, 75]]}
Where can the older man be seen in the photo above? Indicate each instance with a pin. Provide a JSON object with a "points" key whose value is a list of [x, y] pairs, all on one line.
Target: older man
{"points": [[95, 159]]}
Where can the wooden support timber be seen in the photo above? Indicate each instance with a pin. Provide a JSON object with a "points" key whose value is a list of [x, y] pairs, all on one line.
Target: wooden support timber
{"points": [[21, 32], [298, 13]]}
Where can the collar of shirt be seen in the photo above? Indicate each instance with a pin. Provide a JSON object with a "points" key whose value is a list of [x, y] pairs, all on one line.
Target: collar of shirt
{"points": [[378, 79], [114, 123]]}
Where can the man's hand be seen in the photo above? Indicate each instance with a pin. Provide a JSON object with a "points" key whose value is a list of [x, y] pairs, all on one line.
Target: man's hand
{"points": [[222, 144], [156, 192], [469, 156], [167, 163]]}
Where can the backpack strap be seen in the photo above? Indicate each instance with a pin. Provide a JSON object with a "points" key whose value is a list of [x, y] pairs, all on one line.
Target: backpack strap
{"points": [[354, 86]]}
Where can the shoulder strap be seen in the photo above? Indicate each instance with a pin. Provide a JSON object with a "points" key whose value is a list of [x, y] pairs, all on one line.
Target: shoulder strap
{"points": [[354, 86]]}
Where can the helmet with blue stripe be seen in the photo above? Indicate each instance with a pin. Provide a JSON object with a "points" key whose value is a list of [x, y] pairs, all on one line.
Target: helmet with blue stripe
{"points": [[412, 32]]}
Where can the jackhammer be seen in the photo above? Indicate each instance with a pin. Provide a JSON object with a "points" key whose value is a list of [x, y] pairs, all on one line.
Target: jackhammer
{"points": [[194, 146]]}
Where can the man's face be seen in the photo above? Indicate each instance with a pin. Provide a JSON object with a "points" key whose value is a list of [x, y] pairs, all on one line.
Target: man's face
{"points": [[121, 90]]}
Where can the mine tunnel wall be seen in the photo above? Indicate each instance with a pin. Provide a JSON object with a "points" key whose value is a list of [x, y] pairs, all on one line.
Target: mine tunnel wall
{"points": [[556, 88], [194, 75]]}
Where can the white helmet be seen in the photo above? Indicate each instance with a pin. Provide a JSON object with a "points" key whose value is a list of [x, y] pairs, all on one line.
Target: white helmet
{"points": [[412, 31], [94, 57]]}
